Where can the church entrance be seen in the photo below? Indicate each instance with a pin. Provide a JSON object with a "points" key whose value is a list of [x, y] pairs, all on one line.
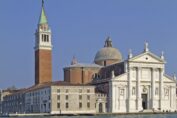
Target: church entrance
{"points": [[100, 107], [144, 101]]}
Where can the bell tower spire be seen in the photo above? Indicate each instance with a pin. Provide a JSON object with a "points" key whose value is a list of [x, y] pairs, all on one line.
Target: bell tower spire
{"points": [[43, 17], [43, 50]]}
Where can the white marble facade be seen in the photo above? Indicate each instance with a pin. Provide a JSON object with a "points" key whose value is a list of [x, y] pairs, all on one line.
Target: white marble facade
{"points": [[143, 86]]}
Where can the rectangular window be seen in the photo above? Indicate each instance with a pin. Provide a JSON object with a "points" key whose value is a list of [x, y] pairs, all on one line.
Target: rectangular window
{"points": [[88, 97], [88, 104], [66, 97], [42, 37], [80, 105], [67, 105], [80, 97], [47, 38], [58, 97], [156, 91], [49, 105], [66, 90], [88, 90], [58, 90], [58, 105]]}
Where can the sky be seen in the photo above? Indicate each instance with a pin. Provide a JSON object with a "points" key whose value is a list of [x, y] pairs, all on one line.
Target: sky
{"points": [[79, 28]]}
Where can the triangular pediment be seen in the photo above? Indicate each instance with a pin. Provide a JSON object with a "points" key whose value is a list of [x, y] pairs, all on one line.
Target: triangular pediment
{"points": [[122, 77], [168, 79], [147, 57]]}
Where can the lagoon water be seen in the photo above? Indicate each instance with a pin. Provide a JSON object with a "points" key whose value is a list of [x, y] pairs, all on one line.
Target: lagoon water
{"points": [[109, 116]]}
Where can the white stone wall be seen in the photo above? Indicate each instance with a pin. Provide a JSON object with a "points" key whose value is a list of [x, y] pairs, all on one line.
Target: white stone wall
{"points": [[38, 100], [87, 94], [146, 77]]}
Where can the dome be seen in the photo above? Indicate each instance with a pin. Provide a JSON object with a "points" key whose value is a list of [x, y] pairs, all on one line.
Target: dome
{"points": [[108, 53]]}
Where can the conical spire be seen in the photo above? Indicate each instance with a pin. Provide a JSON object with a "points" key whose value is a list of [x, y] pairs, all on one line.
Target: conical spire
{"points": [[43, 17]]}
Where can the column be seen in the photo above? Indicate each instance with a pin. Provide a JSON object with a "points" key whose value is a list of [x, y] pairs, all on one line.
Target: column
{"points": [[152, 87], [171, 96], [110, 97], [161, 88], [116, 100], [138, 90], [118, 93], [129, 88], [174, 96]]}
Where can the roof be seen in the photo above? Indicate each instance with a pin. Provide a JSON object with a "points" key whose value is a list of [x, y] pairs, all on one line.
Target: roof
{"points": [[84, 65], [45, 85], [43, 17], [56, 83], [108, 53]]}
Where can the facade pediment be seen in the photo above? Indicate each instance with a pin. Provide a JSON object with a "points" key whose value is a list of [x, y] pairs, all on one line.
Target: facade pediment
{"points": [[168, 79], [147, 57], [122, 77]]}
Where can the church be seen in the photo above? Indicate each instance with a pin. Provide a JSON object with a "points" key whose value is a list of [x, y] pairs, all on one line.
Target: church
{"points": [[109, 85], [143, 85], [136, 84]]}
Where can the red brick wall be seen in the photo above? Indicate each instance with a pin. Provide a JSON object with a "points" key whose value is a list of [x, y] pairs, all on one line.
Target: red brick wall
{"points": [[43, 66], [78, 75], [108, 62]]}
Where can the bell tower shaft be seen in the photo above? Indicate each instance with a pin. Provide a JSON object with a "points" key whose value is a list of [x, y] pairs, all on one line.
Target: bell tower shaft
{"points": [[43, 50]]}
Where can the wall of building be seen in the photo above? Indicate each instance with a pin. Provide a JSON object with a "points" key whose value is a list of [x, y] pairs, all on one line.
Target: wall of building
{"points": [[79, 75], [14, 103], [73, 100], [38, 101], [127, 90], [43, 66]]}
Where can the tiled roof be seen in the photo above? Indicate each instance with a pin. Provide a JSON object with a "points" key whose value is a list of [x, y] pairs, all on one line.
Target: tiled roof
{"points": [[85, 65]]}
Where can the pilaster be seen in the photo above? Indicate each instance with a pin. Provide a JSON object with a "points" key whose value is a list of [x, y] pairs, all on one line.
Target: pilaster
{"points": [[161, 88], [138, 90], [152, 87]]}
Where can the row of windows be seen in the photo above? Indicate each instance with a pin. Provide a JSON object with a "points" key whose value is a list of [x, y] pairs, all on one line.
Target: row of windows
{"points": [[134, 91], [18, 96], [38, 93], [45, 38], [80, 97], [44, 106], [66, 91], [67, 105]]}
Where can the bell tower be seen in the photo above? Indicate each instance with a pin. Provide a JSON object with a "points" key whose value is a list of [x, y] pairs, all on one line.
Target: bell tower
{"points": [[43, 50]]}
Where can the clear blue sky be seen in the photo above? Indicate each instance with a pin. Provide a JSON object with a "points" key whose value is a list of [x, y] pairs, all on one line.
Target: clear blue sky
{"points": [[79, 27]]}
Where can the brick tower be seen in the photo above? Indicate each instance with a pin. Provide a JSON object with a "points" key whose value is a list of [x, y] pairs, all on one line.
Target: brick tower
{"points": [[43, 50]]}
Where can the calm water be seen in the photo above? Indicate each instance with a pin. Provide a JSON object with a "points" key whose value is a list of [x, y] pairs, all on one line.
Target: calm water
{"points": [[113, 116]]}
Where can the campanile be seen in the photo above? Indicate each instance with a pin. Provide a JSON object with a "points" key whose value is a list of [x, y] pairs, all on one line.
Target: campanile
{"points": [[43, 50]]}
